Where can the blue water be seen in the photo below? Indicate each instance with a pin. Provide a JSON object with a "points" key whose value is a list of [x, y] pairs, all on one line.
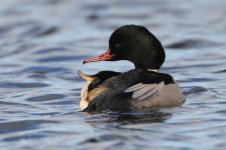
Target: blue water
{"points": [[43, 44]]}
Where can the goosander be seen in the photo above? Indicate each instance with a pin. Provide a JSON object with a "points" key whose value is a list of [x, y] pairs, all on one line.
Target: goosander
{"points": [[144, 87]]}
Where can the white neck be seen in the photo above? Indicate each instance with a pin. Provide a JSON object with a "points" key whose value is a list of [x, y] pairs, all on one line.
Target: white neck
{"points": [[155, 70]]}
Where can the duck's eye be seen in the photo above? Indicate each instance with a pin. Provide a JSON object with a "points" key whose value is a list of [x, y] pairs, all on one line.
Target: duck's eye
{"points": [[117, 45]]}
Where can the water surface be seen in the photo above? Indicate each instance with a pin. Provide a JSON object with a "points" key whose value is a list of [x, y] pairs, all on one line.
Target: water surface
{"points": [[43, 44]]}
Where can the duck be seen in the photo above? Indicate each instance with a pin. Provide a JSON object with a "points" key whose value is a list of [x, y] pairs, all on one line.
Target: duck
{"points": [[143, 88]]}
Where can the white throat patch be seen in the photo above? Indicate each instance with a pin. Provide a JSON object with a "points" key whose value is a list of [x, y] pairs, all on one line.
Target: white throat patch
{"points": [[155, 70]]}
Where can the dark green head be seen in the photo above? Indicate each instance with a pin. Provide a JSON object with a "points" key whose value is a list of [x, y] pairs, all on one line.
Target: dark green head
{"points": [[136, 44]]}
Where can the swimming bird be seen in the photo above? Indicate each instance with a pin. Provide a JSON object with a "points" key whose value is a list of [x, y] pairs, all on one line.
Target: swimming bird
{"points": [[144, 87]]}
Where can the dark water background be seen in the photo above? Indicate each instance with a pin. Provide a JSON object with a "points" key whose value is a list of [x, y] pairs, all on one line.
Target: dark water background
{"points": [[43, 44]]}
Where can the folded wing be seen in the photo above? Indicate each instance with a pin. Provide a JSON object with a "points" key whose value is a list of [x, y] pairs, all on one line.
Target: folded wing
{"points": [[145, 91]]}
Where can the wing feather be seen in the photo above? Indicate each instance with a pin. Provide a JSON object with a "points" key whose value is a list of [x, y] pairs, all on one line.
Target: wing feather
{"points": [[136, 87], [143, 91], [153, 92]]}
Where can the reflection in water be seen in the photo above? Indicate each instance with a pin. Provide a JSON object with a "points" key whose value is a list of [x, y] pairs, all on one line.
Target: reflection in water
{"points": [[137, 118], [117, 128], [115, 119]]}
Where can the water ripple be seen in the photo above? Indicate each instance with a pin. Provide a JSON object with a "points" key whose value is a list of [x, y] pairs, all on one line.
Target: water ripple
{"points": [[43, 69], [194, 90], [60, 58], [192, 43], [50, 50], [14, 104], [24, 137], [42, 44], [37, 31], [23, 85], [46, 97], [221, 71], [15, 126]]}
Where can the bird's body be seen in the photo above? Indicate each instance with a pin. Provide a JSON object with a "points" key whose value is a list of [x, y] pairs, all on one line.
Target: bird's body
{"points": [[133, 90], [141, 88]]}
